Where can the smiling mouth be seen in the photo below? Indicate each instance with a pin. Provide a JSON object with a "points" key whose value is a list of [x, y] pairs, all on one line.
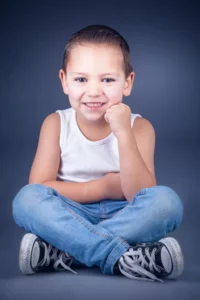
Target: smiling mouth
{"points": [[95, 106]]}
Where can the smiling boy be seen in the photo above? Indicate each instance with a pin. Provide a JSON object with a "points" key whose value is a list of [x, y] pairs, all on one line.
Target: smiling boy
{"points": [[92, 197]]}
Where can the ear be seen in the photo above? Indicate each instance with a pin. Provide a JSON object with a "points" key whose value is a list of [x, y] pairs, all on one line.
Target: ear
{"points": [[62, 77], [129, 84]]}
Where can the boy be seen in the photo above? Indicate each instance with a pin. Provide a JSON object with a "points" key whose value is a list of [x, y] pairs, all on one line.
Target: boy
{"points": [[92, 197]]}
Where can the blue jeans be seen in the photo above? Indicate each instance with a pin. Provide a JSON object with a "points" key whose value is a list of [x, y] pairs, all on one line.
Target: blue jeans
{"points": [[97, 234]]}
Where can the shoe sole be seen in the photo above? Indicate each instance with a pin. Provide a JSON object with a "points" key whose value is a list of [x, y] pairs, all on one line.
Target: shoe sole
{"points": [[25, 253], [177, 256]]}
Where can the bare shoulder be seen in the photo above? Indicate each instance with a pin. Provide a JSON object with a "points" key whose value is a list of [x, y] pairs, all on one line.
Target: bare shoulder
{"points": [[52, 119], [51, 127], [142, 125]]}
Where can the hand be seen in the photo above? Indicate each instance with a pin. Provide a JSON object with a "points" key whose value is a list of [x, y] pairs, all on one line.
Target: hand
{"points": [[113, 189], [119, 118]]}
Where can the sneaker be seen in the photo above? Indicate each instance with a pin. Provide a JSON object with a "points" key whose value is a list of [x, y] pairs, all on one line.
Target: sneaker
{"points": [[148, 261], [36, 255]]}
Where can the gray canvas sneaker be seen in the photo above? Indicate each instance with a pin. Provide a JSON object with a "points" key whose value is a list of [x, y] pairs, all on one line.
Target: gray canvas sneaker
{"points": [[36, 255], [152, 261]]}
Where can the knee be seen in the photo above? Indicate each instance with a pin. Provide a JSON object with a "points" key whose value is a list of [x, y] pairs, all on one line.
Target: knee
{"points": [[27, 200], [169, 204]]}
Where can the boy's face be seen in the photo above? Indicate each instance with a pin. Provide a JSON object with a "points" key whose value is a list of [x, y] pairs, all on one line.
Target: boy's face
{"points": [[87, 79]]}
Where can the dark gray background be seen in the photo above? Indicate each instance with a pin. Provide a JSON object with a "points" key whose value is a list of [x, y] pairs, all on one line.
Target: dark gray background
{"points": [[164, 41]]}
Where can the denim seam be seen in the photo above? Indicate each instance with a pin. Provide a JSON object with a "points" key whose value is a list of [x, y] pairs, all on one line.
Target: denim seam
{"points": [[101, 210], [111, 256], [80, 219], [49, 191], [114, 216]]}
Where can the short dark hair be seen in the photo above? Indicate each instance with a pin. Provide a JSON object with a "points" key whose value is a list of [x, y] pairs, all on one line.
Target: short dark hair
{"points": [[99, 34]]}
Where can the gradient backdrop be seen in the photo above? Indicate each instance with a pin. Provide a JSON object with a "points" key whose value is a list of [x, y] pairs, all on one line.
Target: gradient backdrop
{"points": [[165, 46]]}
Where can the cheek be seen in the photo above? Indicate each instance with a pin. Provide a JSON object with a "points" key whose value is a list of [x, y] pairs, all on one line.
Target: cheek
{"points": [[114, 93], [74, 92]]}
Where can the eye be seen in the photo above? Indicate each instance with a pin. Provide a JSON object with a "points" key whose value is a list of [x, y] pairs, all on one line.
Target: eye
{"points": [[79, 78], [110, 79]]}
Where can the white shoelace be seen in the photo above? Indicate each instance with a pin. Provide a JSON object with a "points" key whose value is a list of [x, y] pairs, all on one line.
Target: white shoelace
{"points": [[57, 259], [130, 266]]}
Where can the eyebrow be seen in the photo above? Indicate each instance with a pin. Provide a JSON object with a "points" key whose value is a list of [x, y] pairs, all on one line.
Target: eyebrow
{"points": [[104, 74]]}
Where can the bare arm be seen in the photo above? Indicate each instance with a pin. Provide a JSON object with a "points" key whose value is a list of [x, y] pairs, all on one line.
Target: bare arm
{"points": [[107, 187], [82, 192], [136, 152]]}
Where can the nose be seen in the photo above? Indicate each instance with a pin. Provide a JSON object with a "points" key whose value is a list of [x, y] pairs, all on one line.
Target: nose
{"points": [[94, 89]]}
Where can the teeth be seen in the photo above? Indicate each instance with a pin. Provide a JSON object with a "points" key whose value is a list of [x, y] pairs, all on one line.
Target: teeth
{"points": [[94, 104]]}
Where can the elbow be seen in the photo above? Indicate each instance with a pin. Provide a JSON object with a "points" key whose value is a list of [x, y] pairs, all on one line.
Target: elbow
{"points": [[34, 181], [151, 184], [154, 183], [40, 180], [37, 182]]}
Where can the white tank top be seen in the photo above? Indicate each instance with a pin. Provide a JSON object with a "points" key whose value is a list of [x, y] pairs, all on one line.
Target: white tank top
{"points": [[81, 159]]}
